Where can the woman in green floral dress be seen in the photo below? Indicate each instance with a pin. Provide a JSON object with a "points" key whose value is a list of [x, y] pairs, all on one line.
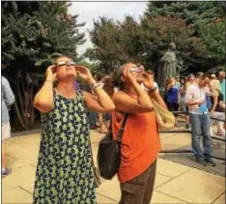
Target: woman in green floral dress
{"points": [[64, 172]]}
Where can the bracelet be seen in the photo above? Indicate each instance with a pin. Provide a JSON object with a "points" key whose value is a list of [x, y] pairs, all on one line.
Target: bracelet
{"points": [[93, 84], [96, 85], [153, 89]]}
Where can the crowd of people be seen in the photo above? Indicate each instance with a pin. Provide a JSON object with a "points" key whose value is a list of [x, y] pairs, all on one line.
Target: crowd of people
{"points": [[176, 90], [64, 171]]}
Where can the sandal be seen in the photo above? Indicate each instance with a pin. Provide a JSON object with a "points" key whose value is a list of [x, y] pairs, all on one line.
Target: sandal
{"points": [[6, 172]]}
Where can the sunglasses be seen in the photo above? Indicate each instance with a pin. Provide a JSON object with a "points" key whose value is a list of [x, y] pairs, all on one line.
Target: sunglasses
{"points": [[63, 63]]}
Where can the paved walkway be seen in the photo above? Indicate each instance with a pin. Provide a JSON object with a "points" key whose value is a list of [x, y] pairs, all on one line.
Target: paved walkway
{"points": [[175, 183]]}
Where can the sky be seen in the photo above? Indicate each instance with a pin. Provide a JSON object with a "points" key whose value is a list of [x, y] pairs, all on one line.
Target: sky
{"points": [[88, 11]]}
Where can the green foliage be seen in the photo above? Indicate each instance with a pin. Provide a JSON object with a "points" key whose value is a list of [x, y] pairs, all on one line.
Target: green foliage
{"points": [[94, 69], [105, 37], [145, 42], [92, 66], [33, 34], [197, 29], [32, 31], [112, 46], [192, 12], [213, 35], [206, 18]]}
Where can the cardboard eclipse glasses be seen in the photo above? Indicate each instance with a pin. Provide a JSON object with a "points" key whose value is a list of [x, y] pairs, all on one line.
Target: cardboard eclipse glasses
{"points": [[63, 63]]}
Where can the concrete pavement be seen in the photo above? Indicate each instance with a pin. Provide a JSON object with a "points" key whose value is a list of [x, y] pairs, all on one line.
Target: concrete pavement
{"points": [[175, 183]]}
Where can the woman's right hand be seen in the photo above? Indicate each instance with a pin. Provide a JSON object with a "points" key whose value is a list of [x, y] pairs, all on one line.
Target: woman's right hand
{"points": [[128, 76], [51, 73], [85, 74]]}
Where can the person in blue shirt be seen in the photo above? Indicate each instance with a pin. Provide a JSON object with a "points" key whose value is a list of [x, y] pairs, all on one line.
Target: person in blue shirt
{"points": [[8, 99], [173, 96]]}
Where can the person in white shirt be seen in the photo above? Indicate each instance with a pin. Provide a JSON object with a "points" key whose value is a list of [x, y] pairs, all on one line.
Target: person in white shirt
{"points": [[8, 99], [195, 99]]}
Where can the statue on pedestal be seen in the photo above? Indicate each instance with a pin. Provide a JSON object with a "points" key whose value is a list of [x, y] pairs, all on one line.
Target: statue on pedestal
{"points": [[169, 66]]}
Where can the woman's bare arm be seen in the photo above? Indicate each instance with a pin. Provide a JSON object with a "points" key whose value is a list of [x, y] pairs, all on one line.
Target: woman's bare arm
{"points": [[127, 104], [100, 103], [215, 100], [43, 100]]}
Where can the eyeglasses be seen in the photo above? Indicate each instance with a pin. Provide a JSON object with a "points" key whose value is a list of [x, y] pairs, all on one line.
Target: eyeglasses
{"points": [[63, 63], [134, 69]]}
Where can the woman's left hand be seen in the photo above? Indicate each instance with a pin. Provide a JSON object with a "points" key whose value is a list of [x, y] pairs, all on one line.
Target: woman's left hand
{"points": [[85, 74], [148, 81]]}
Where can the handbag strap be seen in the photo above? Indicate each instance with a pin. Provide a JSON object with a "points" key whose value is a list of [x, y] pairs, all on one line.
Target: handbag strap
{"points": [[91, 151], [121, 130]]}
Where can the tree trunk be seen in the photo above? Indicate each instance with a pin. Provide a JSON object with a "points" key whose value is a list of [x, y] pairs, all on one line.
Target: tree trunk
{"points": [[19, 114], [24, 105], [19, 80]]}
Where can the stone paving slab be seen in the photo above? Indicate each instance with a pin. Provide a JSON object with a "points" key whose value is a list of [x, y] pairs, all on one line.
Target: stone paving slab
{"points": [[16, 196], [160, 198], [111, 188], [16, 162], [174, 140], [19, 176], [188, 160], [102, 199], [169, 186], [29, 187], [171, 169], [195, 186], [220, 200]]}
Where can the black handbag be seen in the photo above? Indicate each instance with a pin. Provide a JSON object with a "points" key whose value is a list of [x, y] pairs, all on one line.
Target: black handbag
{"points": [[109, 153]]}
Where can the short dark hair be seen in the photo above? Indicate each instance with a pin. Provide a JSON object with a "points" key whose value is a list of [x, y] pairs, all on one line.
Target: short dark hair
{"points": [[99, 77], [117, 76]]}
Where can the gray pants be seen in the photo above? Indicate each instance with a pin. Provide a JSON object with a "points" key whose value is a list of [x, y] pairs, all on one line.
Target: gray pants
{"points": [[139, 190], [200, 125]]}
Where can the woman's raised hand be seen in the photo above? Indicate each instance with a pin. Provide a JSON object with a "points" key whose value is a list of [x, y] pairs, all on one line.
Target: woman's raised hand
{"points": [[127, 75], [85, 74], [148, 81], [51, 73]]}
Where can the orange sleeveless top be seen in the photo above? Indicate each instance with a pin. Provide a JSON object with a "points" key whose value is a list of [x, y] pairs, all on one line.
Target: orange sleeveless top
{"points": [[140, 144]]}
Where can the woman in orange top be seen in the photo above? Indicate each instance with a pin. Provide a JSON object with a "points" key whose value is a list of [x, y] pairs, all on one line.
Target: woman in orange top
{"points": [[140, 141]]}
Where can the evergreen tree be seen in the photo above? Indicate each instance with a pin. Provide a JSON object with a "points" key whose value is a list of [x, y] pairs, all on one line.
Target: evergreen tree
{"points": [[32, 34], [197, 29], [206, 18], [144, 42], [106, 39]]}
